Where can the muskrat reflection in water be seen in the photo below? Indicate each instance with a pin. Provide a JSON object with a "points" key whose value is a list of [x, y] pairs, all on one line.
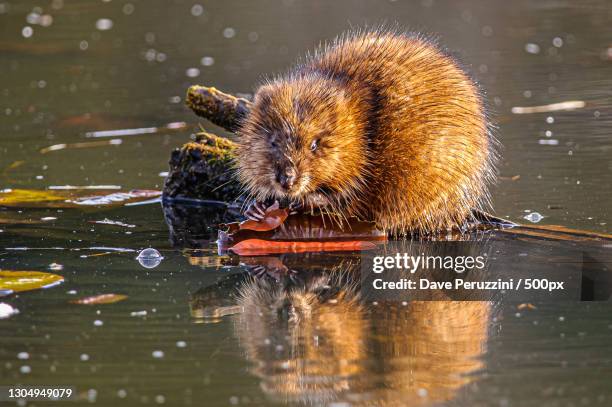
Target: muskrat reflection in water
{"points": [[319, 342]]}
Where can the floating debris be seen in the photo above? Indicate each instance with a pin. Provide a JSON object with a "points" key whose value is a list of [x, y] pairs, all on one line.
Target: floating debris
{"points": [[6, 310], [526, 306], [149, 258], [100, 299], [134, 132], [17, 281], [56, 267], [533, 217], [115, 197], [68, 198], [87, 144], [107, 221], [548, 142], [74, 187], [569, 105]]}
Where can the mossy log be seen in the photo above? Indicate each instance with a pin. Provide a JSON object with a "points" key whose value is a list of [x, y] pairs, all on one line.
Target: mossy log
{"points": [[203, 170]]}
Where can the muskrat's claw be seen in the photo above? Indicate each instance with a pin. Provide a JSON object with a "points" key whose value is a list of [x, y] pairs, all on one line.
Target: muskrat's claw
{"points": [[256, 211]]}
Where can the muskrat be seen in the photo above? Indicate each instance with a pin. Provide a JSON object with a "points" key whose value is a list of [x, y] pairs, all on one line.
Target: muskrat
{"points": [[379, 125]]}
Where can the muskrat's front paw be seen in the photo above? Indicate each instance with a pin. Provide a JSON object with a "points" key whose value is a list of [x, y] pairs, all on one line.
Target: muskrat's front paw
{"points": [[257, 210]]}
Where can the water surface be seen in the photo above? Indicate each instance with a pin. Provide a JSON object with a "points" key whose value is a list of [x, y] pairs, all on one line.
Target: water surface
{"points": [[110, 65]]}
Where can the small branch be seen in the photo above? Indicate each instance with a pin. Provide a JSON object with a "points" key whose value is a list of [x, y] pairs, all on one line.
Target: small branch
{"points": [[220, 108]]}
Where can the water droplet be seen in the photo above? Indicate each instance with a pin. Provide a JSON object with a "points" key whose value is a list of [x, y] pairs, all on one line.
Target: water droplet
{"points": [[533, 217], [104, 24], [197, 10], [23, 355], [7, 310], [207, 61], [149, 258], [192, 72], [27, 31], [532, 48]]}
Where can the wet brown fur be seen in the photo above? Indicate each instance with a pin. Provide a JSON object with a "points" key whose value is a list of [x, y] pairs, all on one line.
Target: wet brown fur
{"points": [[404, 139]]}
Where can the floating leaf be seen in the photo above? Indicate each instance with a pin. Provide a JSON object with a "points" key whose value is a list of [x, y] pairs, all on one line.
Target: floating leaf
{"points": [[300, 233], [253, 247], [72, 198], [100, 299], [16, 281]]}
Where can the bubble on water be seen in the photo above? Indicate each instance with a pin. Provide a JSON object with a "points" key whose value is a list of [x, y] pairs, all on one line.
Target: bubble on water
{"points": [[550, 120], [7, 310], [527, 94], [23, 355], [3, 8], [84, 357], [533, 217], [229, 32], [197, 10], [253, 36], [487, 31], [104, 24], [548, 133], [173, 99], [27, 31], [92, 394], [557, 42], [422, 392], [192, 72], [207, 61], [56, 267], [25, 369], [149, 258], [234, 400], [128, 9], [83, 45], [532, 48], [160, 399], [158, 354], [150, 55], [33, 18], [98, 322], [181, 344], [121, 393], [561, 318], [160, 57]]}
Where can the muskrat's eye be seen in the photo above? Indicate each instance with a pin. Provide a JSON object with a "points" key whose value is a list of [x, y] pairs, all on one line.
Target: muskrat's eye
{"points": [[314, 145]]}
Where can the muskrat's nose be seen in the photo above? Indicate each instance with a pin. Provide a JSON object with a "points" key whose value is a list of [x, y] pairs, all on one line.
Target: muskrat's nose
{"points": [[286, 178]]}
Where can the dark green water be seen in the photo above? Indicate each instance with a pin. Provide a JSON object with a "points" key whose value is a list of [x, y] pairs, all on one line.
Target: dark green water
{"points": [[59, 82]]}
